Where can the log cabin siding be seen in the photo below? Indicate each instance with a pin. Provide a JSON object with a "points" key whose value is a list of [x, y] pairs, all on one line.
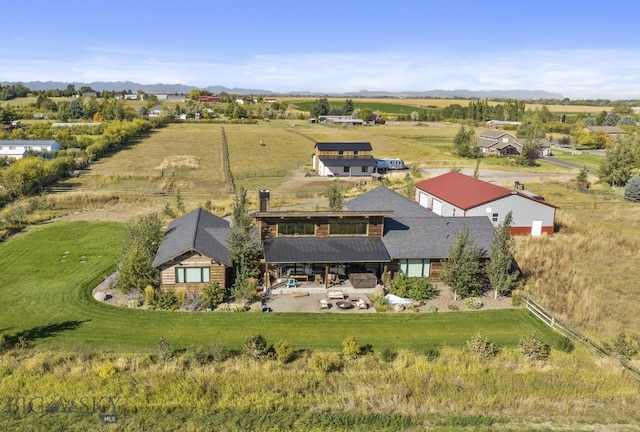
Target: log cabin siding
{"points": [[218, 272]]}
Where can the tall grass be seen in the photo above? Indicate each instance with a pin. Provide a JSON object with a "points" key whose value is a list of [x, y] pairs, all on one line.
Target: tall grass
{"points": [[412, 392], [586, 272]]}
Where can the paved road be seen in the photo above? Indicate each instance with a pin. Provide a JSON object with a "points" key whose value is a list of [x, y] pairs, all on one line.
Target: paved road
{"points": [[555, 161]]}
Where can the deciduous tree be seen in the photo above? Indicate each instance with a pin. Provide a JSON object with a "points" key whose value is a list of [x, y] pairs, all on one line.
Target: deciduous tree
{"points": [[461, 269]]}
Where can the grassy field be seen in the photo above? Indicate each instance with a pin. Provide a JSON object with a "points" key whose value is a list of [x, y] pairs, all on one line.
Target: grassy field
{"points": [[46, 298]]}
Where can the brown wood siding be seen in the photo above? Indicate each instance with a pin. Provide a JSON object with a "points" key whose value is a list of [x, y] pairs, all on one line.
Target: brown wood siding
{"points": [[344, 153], [322, 229], [217, 273], [376, 226]]}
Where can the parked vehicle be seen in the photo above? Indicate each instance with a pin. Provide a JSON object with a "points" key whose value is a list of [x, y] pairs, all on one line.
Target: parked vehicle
{"points": [[390, 164]]}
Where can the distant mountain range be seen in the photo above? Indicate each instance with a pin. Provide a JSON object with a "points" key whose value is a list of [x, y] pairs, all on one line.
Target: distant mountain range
{"points": [[185, 89]]}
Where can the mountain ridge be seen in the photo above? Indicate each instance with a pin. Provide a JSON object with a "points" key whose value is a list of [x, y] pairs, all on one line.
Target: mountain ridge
{"points": [[185, 89]]}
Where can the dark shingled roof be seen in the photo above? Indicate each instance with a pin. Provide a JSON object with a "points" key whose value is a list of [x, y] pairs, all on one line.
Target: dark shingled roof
{"points": [[325, 250], [345, 146], [421, 237], [348, 160], [198, 231], [385, 199]]}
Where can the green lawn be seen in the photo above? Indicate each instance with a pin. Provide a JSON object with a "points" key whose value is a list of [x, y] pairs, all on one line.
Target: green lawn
{"points": [[47, 273]]}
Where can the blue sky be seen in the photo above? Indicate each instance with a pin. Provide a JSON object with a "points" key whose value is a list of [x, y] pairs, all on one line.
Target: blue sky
{"points": [[580, 49]]}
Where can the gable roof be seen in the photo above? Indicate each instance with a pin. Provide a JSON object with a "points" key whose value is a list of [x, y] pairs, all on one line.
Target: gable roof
{"points": [[421, 237], [385, 199], [348, 146], [30, 143], [606, 129], [461, 190], [197, 231]]}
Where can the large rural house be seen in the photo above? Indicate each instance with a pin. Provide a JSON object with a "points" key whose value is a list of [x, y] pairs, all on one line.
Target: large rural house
{"points": [[194, 252], [17, 149], [458, 195], [347, 159], [496, 142], [380, 235], [377, 236]]}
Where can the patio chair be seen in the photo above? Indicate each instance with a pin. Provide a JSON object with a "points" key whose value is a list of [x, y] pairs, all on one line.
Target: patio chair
{"points": [[291, 283]]}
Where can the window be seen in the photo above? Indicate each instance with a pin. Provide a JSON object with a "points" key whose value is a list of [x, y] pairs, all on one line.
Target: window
{"points": [[340, 152], [494, 217], [192, 274], [348, 228], [296, 228], [415, 267], [365, 169], [355, 152]]}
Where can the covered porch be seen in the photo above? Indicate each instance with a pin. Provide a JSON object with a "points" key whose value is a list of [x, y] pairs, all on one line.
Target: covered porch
{"points": [[325, 262]]}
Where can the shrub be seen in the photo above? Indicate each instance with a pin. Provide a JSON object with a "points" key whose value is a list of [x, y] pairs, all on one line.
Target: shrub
{"points": [[284, 351], [622, 346], [453, 307], [350, 347], [534, 348], [164, 350], [387, 355], [482, 346], [255, 347], [416, 288], [432, 354], [181, 296], [473, 303], [632, 189], [565, 345], [219, 352], [197, 355], [212, 295], [326, 362], [106, 370], [149, 295], [165, 300], [516, 298]]}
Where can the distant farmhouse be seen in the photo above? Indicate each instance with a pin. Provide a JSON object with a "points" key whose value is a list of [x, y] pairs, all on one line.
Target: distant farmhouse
{"points": [[495, 142], [457, 195], [613, 132], [348, 159], [210, 98], [17, 149]]}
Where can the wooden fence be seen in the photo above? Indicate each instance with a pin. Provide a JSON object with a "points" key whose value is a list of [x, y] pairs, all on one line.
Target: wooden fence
{"points": [[575, 336]]}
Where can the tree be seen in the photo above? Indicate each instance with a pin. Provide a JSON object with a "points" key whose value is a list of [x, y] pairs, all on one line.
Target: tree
{"points": [[461, 269], [416, 288], [582, 179], [632, 189], [336, 197], [618, 165], [502, 276], [244, 247], [320, 107], [141, 242], [611, 119], [464, 143], [348, 107]]}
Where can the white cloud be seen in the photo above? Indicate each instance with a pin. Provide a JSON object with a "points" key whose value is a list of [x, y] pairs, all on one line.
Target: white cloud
{"points": [[572, 73]]}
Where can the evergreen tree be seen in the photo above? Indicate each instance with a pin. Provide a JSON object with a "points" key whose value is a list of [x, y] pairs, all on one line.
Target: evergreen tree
{"points": [[244, 248], [348, 107], [502, 276], [461, 269], [632, 189], [336, 197], [320, 107], [141, 242]]}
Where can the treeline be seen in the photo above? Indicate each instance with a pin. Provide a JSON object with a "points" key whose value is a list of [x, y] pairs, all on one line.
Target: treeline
{"points": [[22, 177]]}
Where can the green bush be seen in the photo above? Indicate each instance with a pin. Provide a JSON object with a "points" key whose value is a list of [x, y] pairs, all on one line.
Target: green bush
{"points": [[164, 350], [213, 295], [482, 346], [219, 352], [622, 346], [255, 347], [165, 300], [565, 345], [453, 307], [534, 348], [106, 370], [416, 288], [350, 347], [473, 303], [387, 355], [284, 351], [326, 362]]}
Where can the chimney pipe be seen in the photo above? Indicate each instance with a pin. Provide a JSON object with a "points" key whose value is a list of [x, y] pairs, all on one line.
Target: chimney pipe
{"points": [[263, 194]]}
